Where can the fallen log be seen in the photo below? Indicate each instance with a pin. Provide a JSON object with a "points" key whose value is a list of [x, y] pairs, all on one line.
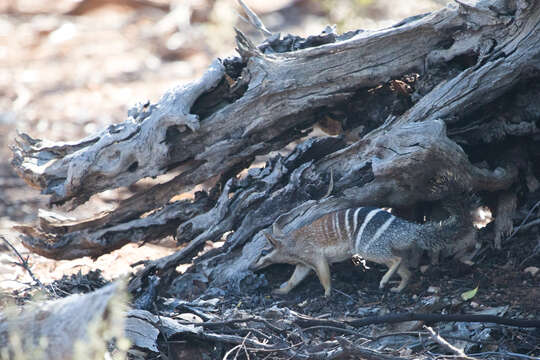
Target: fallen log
{"points": [[75, 327], [425, 97]]}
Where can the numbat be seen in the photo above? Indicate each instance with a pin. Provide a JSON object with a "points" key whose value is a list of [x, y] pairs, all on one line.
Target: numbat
{"points": [[373, 234]]}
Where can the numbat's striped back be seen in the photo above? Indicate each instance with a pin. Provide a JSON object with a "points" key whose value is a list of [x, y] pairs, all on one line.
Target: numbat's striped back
{"points": [[366, 227], [369, 226], [370, 232], [373, 232]]}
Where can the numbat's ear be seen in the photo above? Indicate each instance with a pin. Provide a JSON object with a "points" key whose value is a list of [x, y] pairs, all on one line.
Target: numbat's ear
{"points": [[272, 240]]}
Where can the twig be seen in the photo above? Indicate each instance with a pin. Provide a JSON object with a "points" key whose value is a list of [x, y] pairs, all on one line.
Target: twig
{"points": [[194, 310], [24, 264], [277, 349], [214, 323], [363, 353], [244, 347], [245, 47], [254, 19], [535, 252], [231, 351], [328, 193], [430, 318], [233, 321], [347, 331], [233, 339], [530, 224], [523, 222], [237, 348], [161, 330], [251, 330], [341, 292], [270, 325], [420, 333], [506, 355], [440, 340]]}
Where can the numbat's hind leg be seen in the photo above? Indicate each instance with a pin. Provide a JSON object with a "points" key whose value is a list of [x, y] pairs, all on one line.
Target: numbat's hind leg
{"points": [[394, 265], [405, 275]]}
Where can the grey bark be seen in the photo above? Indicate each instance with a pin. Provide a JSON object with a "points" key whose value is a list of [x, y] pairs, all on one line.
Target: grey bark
{"points": [[64, 322], [469, 59]]}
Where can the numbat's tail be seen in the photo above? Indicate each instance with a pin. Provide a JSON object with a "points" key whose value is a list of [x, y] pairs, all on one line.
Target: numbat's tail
{"points": [[435, 235]]}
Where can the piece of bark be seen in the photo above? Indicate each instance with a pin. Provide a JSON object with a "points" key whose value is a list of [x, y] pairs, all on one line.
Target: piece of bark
{"points": [[280, 87], [405, 161], [251, 204], [74, 239], [65, 322], [119, 155], [260, 102], [143, 328]]}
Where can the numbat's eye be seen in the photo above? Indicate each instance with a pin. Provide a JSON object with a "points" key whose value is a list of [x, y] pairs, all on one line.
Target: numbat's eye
{"points": [[265, 252]]}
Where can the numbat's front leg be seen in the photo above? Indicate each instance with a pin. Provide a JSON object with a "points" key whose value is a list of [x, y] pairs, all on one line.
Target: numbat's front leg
{"points": [[323, 272], [299, 274]]}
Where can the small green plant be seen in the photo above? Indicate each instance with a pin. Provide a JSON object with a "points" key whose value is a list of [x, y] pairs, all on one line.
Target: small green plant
{"points": [[468, 295]]}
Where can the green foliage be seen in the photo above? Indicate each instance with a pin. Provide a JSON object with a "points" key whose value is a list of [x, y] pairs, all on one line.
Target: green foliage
{"points": [[468, 295]]}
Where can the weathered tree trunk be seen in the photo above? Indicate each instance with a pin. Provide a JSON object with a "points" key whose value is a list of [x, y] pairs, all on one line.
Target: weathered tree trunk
{"points": [[74, 327], [448, 92]]}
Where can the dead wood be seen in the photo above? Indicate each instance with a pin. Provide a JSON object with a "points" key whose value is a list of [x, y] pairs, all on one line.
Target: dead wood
{"points": [[524, 223], [73, 239], [440, 340], [63, 323], [412, 102], [143, 328], [428, 318], [351, 350], [23, 263], [261, 335]]}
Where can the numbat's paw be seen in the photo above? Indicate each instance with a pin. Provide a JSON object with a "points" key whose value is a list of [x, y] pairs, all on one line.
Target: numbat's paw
{"points": [[398, 288], [280, 291]]}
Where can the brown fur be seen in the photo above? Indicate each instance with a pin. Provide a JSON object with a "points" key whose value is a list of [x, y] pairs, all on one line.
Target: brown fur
{"points": [[307, 255], [372, 233]]}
